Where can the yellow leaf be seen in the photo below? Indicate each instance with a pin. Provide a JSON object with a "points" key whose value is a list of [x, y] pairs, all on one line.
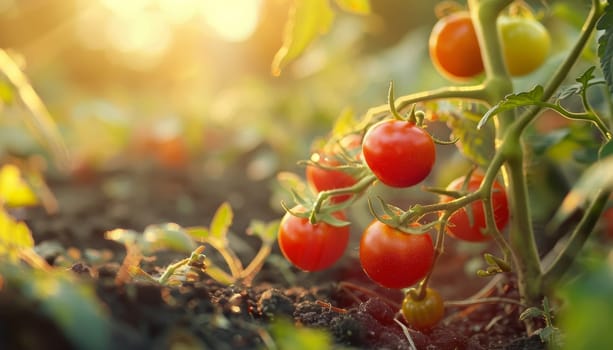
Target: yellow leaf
{"points": [[360, 7], [14, 236], [14, 191], [307, 20]]}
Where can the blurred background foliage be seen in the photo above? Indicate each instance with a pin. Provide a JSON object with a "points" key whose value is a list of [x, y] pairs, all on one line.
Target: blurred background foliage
{"points": [[177, 80]]}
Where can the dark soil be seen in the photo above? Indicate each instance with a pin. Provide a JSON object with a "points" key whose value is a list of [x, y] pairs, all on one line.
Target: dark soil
{"points": [[207, 315]]}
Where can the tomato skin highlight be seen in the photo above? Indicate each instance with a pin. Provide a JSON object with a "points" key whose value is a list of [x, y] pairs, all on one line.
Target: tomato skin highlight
{"points": [[399, 153], [525, 43], [394, 259], [461, 226], [426, 313], [312, 247], [454, 47]]}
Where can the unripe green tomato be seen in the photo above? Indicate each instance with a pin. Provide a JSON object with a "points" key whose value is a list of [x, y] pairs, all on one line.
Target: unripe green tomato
{"points": [[425, 313], [525, 43]]}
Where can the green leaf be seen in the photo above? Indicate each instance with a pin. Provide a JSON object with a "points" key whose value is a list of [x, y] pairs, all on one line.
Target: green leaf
{"points": [[198, 233], [123, 236], [14, 236], [512, 101], [73, 306], [266, 231], [360, 7], [221, 221], [307, 20], [288, 336], [605, 45], [39, 119], [531, 312], [344, 124], [606, 150], [596, 177], [168, 236], [475, 144], [14, 191]]}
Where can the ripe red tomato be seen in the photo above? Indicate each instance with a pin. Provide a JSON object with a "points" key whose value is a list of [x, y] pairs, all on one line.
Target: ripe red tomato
{"points": [[525, 43], [399, 153], [425, 313], [395, 259], [467, 228], [323, 179], [312, 247], [454, 48]]}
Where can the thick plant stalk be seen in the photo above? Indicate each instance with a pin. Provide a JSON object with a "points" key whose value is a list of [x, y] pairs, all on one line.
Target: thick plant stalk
{"points": [[525, 255]]}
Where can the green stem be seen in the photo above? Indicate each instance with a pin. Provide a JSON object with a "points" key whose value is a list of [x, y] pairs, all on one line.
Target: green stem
{"points": [[249, 273], [572, 247], [475, 93], [509, 149], [170, 270]]}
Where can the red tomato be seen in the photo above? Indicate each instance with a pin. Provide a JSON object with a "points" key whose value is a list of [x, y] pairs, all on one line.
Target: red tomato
{"points": [[464, 227], [454, 48], [399, 153], [425, 313], [312, 247], [395, 259], [323, 179]]}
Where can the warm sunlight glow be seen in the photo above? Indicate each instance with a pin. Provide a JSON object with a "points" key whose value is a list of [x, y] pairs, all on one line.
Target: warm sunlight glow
{"points": [[232, 20]]}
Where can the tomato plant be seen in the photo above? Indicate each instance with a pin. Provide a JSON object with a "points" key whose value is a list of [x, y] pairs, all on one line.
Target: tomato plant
{"points": [[494, 121], [468, 224], [423, 313], [454, 48], [525, 43], [312, 247], [395, 259], [399, 153]]}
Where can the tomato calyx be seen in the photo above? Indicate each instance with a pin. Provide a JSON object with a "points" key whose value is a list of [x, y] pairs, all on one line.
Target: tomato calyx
{"points": [[495, 265], [401, 220], [414, 116]]}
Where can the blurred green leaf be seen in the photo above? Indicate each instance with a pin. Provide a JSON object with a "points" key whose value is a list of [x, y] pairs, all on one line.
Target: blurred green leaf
{"points": [[7, 95], [605, 45], [307, 20], [266, 231], [168, 236], [361, 7], [122, 236], [40, 121], [72, 305], [14, 236], [344, 124], [288, 336], [14, 191], [585, 318], [221, 221], [597, 177], [198, 233], [606, 150], [475, 144]]}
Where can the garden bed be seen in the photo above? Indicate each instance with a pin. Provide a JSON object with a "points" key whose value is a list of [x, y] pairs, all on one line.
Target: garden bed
{"points": [[206, 314]]}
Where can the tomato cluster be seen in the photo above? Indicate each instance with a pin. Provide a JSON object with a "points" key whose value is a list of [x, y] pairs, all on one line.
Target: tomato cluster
{"points": [[455, 52]]}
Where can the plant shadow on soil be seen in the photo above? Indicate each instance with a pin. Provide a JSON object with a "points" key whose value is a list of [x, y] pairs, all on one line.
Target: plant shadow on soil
{"points": [[207, 315]]}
